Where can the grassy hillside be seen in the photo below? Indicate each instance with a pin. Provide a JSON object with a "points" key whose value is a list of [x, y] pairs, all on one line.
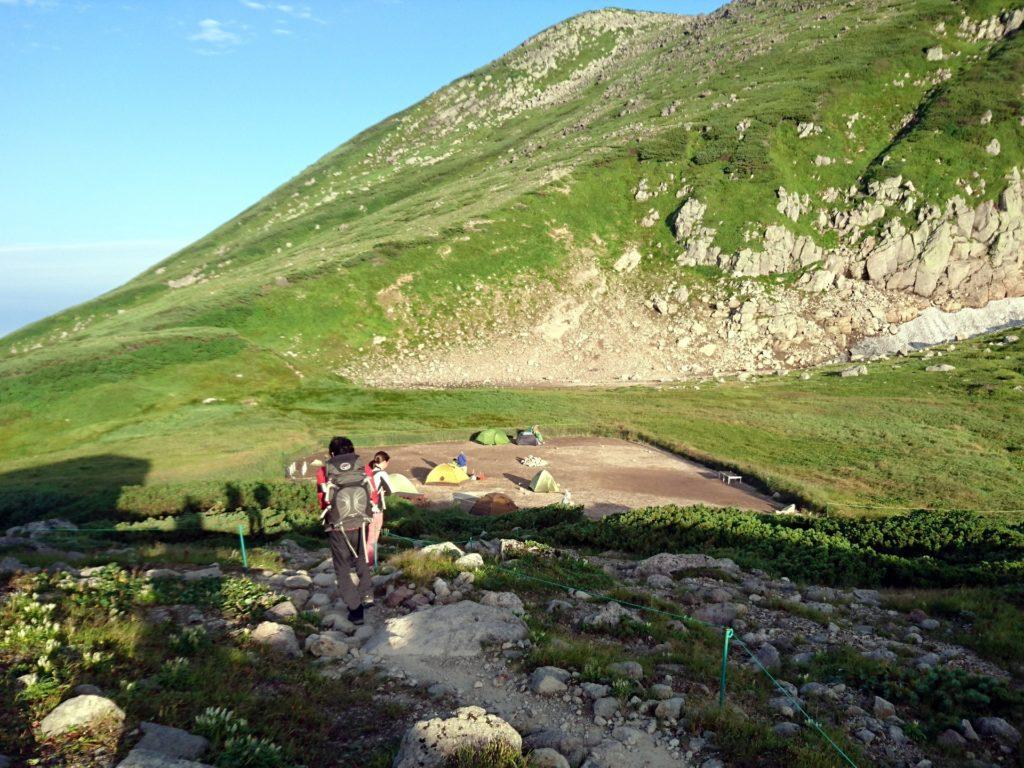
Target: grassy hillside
{"points": [[898, 437], [443, 238]]}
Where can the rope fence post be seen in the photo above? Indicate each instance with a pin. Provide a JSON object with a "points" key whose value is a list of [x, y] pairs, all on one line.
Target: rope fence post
{"points": [[725, 667], [241, 545]]}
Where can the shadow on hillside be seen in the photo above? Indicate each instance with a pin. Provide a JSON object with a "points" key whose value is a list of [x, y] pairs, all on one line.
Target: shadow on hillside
{"points": [[77, 489]]}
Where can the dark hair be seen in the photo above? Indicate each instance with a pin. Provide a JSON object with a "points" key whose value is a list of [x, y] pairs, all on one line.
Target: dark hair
{"points": [[380, 456], [340, 446]]}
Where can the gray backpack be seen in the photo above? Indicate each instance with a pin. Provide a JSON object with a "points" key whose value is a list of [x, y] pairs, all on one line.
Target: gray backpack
{"points": [[346, 494]]}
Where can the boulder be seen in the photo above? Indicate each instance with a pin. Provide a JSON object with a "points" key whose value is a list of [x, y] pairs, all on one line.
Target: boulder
{"points": [[470, 562], [606, 707], [329, 645], [998, 727], [507, 600], [172, 742], [431, 743], [324, 580], [210, 572], [882, 709], [547, 681], [445, 548], [610, 614], [443, 631], [9, 565], [661, 692], [280, 638], [668, 563], [298, 581], [339, 622], [950, 739], [545, 757], [281, 612], [79, 714], [786, 730], [669, 709]]}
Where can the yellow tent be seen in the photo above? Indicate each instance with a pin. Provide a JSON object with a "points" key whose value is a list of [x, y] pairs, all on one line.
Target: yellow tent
{"points": [[447, 473], [401, 484], [543, 482]]}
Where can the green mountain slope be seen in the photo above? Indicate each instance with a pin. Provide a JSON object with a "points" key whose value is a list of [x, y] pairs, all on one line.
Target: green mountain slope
{"points": [[624, 196]]}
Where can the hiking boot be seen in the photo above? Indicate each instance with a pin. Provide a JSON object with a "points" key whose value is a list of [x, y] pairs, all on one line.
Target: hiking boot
{"points": [[356, 616], [368, 602]]}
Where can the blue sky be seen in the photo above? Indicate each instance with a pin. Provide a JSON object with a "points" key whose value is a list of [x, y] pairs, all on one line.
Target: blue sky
{"points": [[132, 128]]}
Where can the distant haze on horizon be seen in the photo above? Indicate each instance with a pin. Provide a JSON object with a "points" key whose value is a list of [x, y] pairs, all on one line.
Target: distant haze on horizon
{"points": [[134, 129]]}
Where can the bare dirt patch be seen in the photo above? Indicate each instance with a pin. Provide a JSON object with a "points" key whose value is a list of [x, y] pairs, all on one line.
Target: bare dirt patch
{"points": [[605, 475]]}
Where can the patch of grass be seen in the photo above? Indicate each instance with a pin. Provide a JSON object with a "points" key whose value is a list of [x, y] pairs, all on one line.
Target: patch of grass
{"points": [[423, 569], [938, 697], [989, 622], [748, 742], [797, 609], [498, 754]]}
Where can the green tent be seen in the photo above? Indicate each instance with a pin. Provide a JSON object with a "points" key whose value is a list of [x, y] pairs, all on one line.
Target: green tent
{"points": [[491, 437], [401, 484], [543, 482]]}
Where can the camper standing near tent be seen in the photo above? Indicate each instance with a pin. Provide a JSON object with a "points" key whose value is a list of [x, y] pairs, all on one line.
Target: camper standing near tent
{"points": [[347, 499], [376, 471]]}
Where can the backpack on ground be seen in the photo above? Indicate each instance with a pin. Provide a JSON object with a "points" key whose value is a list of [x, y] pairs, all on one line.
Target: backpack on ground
{"points": [[346, 495]]}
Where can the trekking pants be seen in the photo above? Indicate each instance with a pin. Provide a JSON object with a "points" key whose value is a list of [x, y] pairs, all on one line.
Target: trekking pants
{"points": [[348, 553]]}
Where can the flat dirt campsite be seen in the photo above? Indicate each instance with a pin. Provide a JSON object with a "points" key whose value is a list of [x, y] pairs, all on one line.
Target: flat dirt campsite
{"points": [[603, 475]]}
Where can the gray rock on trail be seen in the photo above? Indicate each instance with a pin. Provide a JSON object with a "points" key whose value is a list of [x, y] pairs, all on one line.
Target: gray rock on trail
{"points": [[668, 563], [998, 727], [209, 572], [81, 713], [548, 681], [882, 708], [429, 743], [172, 742], [281, 612], [278, 637], [606, 707], [786, 730], [950, 739], [328, 645], [545, 757], [144, 758], [595, 690], [857, 370], [610, 614], [670, 709], [507, 600], [455, 630], [445, 548], [471, 561]]}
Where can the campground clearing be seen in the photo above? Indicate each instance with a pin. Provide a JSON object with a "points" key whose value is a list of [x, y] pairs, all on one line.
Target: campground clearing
{"points": [[604, 475]]}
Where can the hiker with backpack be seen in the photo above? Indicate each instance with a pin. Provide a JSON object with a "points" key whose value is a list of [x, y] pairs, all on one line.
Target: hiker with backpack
{"points": [[348, 499], [376, 471]]}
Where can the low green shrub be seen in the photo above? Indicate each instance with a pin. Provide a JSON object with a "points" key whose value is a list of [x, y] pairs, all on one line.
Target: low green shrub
{"points": [[918, 549]]}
